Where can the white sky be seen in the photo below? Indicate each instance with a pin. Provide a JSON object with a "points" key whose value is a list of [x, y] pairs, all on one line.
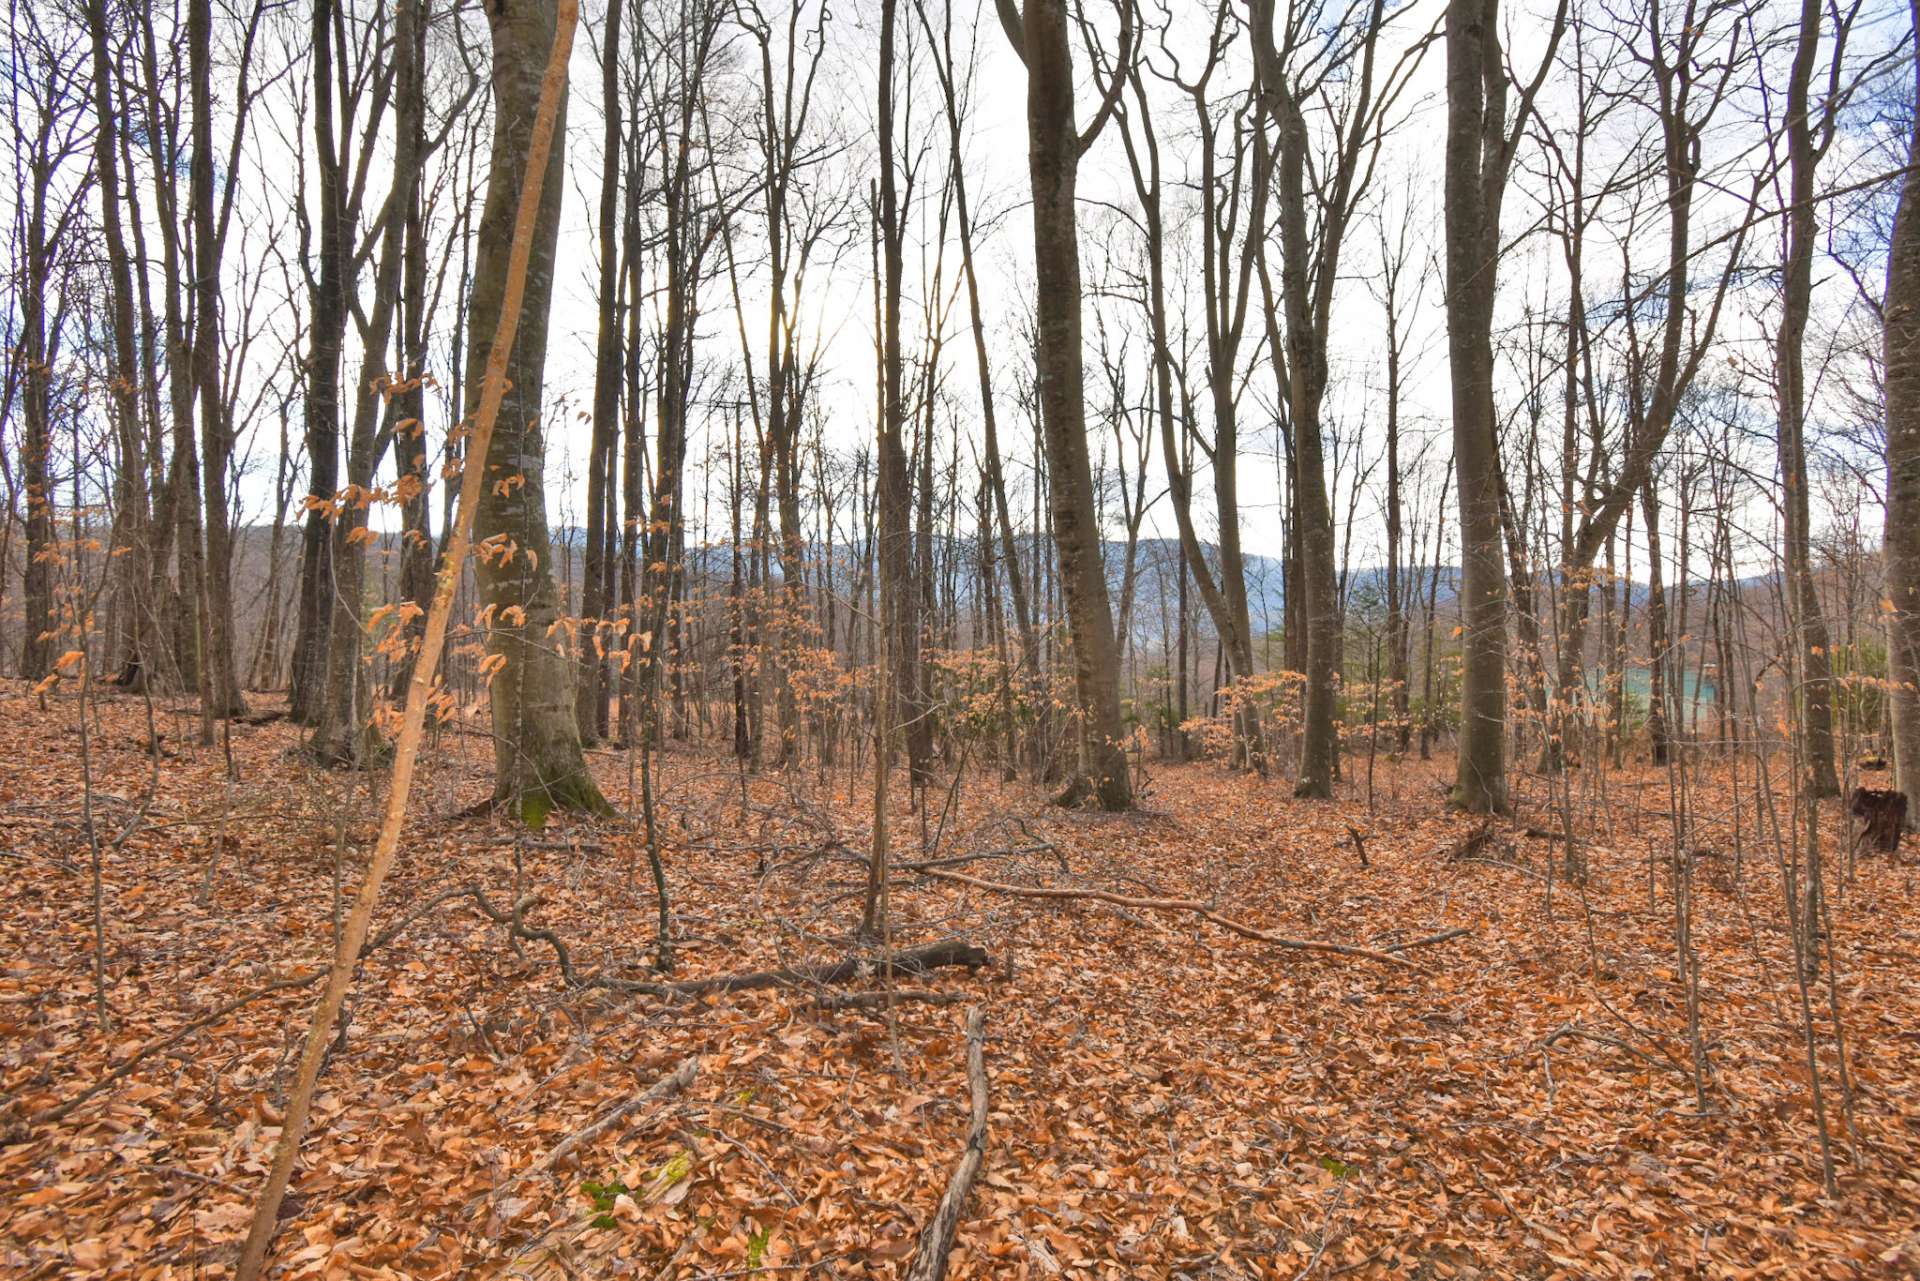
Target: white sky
{"points": [[839, 306]]}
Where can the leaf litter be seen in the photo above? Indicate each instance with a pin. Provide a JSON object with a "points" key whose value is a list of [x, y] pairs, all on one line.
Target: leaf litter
{"points": [[1167, 1099]]}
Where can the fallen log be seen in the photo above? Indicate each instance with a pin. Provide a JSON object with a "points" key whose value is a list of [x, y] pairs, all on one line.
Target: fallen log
{"points": [[936, 1239], [1201, 909], [919, 960]]}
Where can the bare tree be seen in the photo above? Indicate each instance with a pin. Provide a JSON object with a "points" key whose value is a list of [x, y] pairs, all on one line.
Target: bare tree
{"points": [[1041, 36], [1480, 147], [1809, 133], [1902, 366], [1296, 66], [538, 763]]}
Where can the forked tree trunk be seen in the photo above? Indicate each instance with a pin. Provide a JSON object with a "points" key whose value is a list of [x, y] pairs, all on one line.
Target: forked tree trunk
{"points": [[346, 733], [410, 407]]}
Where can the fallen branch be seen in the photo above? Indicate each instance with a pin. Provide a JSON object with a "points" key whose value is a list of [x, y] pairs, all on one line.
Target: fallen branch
{"points": [[1443, 936], [161, 1044], [917, 960], [1472, 843], [1500, 862], [60, 1111], [936, 1239], [1202, 909], [672, 1083], [959, 860], [864, 1000], [1600, 1038], [947, 952]]}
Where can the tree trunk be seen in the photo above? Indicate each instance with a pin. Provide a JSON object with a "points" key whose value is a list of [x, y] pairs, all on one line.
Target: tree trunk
{"points": [[1053, 168], [1902, 352], [222, 681], [1476, 99], [1657, 643], [328, 336], [1803, 230], [346, 734], [596, 589], [41, 643], [410, 406], [538, 763], [898, 586], [133, 517]]}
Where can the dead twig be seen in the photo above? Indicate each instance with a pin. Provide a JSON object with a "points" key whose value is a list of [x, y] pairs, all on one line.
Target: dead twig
{"points": [[1359, 843], [866, 1000], [670, 1084], [1470, 844], [1202, 909], [1444, 936], [936, 1239], [1600, 1038]]}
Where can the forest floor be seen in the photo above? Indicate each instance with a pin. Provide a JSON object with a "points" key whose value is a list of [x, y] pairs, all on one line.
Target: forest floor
{"points": [[1167, 1098]]}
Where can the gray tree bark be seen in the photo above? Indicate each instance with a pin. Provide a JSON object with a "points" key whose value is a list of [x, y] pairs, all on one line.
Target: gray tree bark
{"points": [[1479, 156], [1042, 35], [538, 762], [1804, 151], [1902, 354]]}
